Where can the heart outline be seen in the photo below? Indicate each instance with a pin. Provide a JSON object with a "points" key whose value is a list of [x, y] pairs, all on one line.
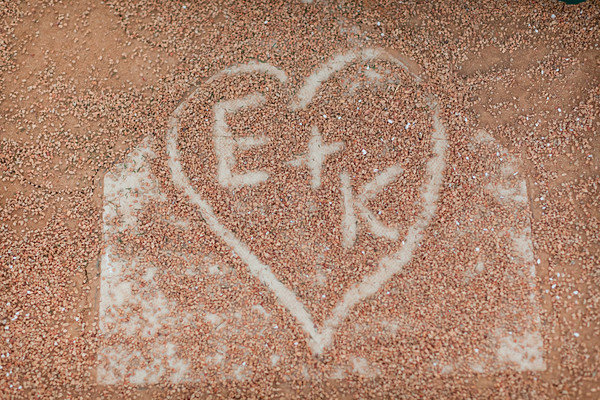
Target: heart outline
{"points": [[390, 265]]}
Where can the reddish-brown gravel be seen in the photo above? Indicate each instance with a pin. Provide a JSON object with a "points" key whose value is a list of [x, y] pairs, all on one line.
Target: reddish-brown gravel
{"points": [[86, 221]]}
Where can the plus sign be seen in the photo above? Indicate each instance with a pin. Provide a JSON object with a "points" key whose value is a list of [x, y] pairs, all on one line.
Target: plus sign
{"points": [[314, 159]]}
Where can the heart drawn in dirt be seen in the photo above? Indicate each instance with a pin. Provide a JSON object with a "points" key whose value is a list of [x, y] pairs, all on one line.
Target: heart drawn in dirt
{"points": [[319, 337]]}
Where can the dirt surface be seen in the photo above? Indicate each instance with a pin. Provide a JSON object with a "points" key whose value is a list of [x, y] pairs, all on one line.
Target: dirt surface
{"points": [[299, 199]]}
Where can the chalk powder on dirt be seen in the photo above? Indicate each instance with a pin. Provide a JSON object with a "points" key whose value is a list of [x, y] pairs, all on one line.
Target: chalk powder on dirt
{"points": [[125, 289], [299, 199]]}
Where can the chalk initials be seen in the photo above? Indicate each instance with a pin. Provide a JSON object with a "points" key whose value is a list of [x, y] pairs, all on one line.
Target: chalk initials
{"points": [[353, 203], [225, 144]]}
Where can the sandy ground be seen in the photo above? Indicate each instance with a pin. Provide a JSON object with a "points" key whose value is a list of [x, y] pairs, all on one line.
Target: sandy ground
{"points": [[299, 199]]}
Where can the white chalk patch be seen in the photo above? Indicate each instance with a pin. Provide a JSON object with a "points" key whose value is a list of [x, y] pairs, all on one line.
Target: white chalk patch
{"points": [[240, 373], [261, 310], [507, 187], [524, 248], [213, 319], [213, 269], [317, 153], [479, 267], [113, 362], [373, 75], [513, 193], [338, 373], [361, 366], [524, 352], [248, 142], [216, 359], [252, 67], [390, 326], [128, 188], [446, 369], [477, 367], [320, 277]]}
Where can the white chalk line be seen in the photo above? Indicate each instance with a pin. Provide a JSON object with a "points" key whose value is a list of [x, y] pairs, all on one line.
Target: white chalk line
{"points": [[389, 266], [317, 153], [336, 64], [369, 191], [225, 143], [252, 67], [349, 221]]}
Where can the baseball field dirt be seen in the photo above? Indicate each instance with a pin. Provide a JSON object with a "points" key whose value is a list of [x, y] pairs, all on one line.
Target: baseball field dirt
{"points": [[299, 199]]}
